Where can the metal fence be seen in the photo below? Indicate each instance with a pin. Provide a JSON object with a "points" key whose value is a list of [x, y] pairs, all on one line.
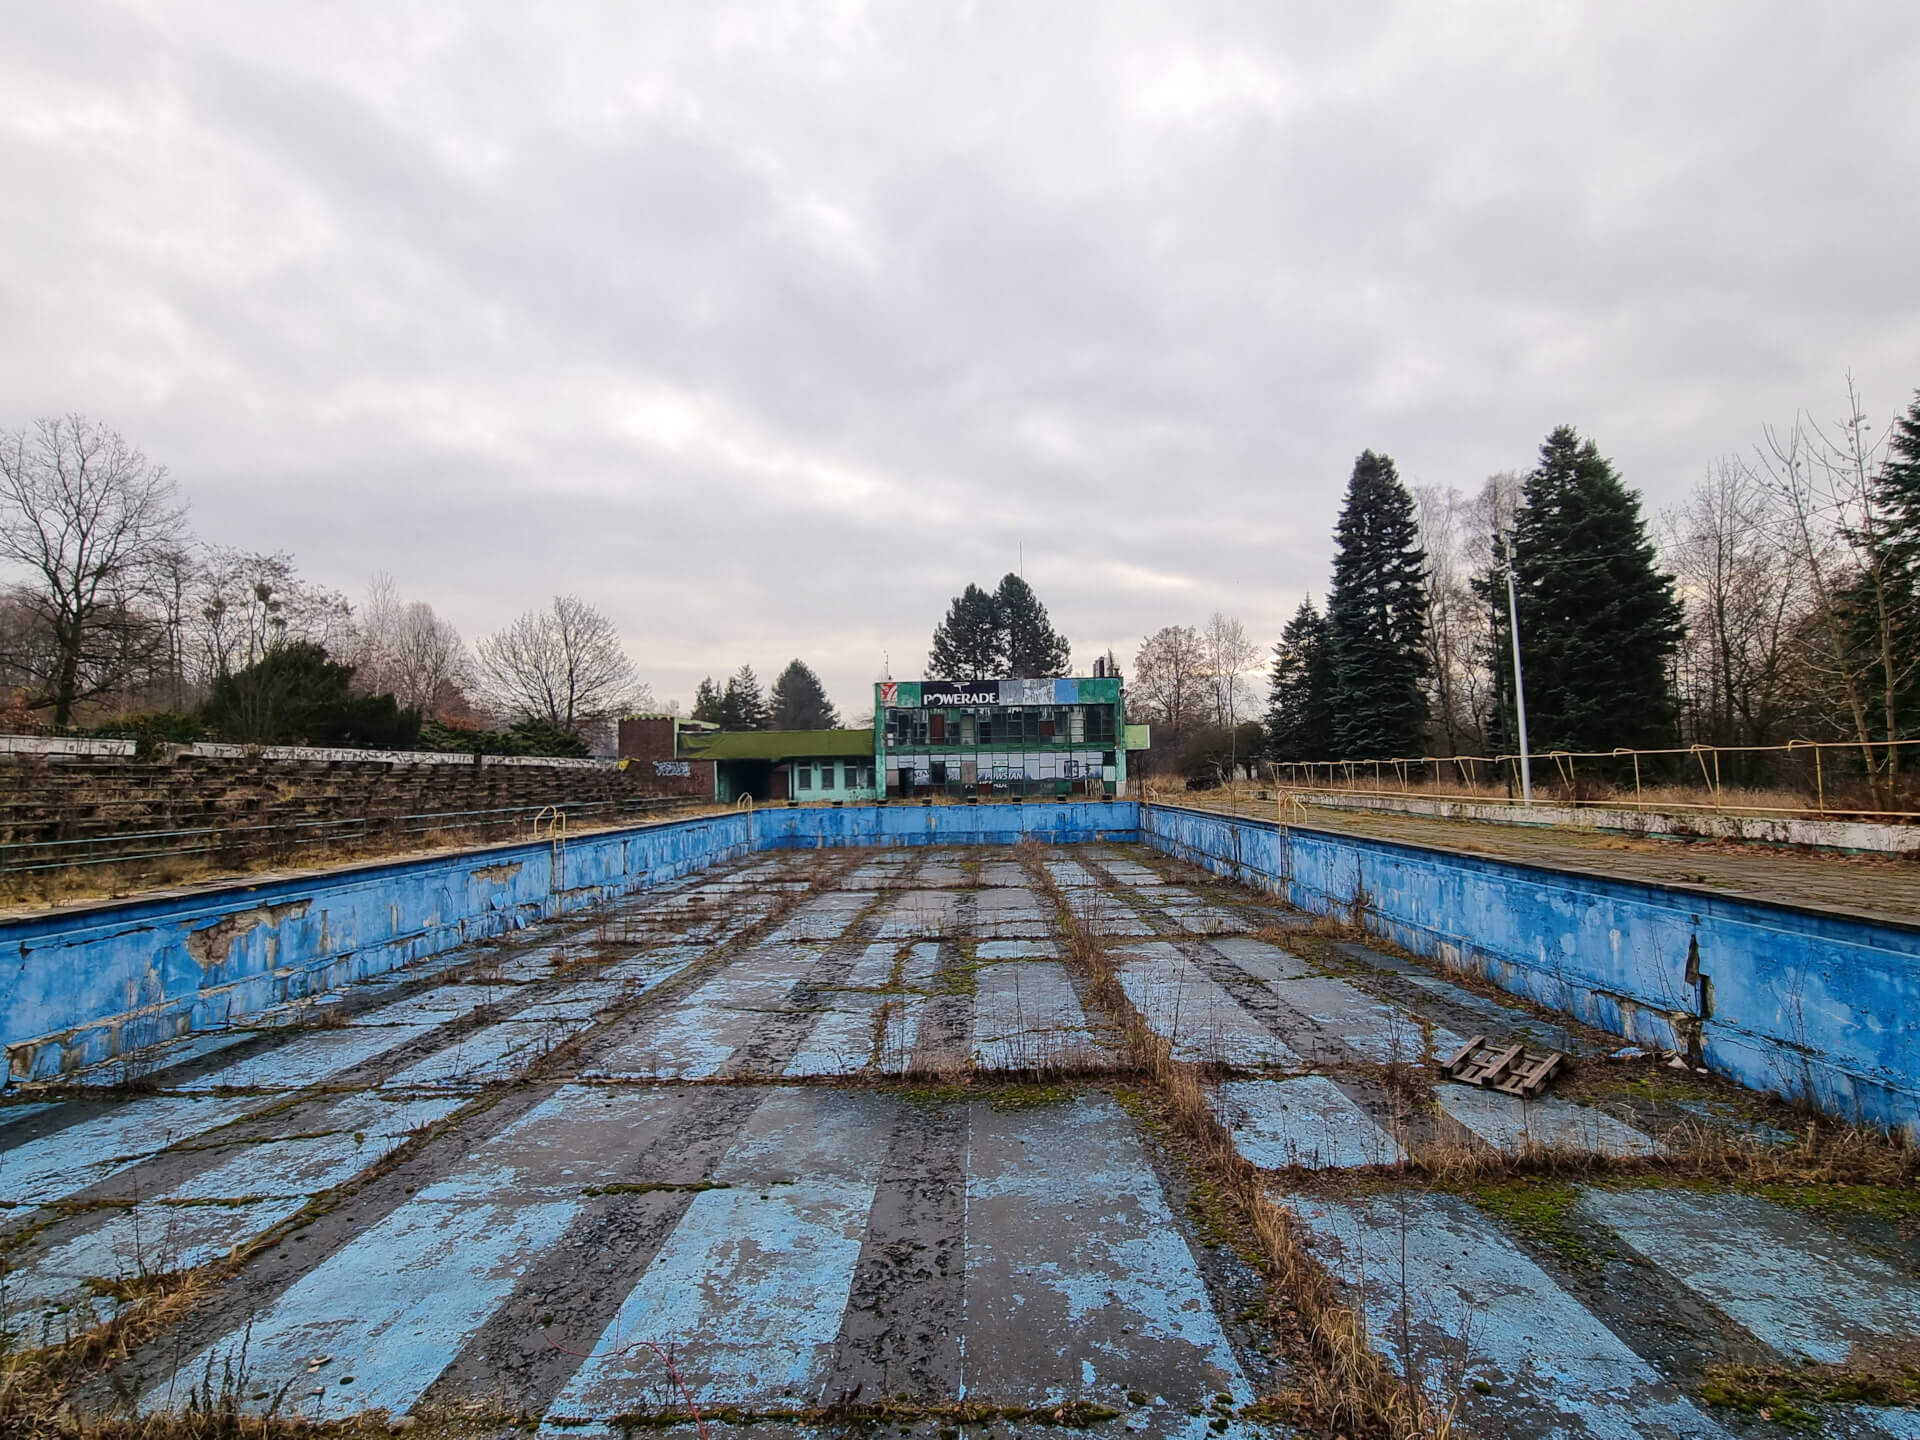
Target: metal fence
{"points": [[294, 837], [1875, 781]]}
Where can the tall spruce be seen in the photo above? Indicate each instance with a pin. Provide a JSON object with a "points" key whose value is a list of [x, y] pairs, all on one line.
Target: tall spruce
{"points": [[800, 700], [970, 644], [1034, 649], [1894, 493], [707, 701], [743, 706], [1376, 618], [1299, 696], [1599, 622]]}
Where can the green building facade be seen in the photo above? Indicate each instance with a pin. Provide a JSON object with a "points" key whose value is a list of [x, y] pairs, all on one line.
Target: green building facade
{"points": [[997, 739]]}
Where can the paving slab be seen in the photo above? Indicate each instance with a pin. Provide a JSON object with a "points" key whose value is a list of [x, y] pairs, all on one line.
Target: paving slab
{"points": [[695, 1037], [1509, 1123], [1342, 1020], [1079, 1284], [750, 1287], [1794, 1285], [1307, 1121], [1264, 962], [1026, 1016], [307, 1059], [1471, 1307], [80, 1155], [485, 1056], [1202, 1021]]}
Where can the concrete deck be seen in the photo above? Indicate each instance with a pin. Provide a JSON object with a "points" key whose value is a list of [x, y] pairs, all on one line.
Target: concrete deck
{"points": [[839, 1127]]}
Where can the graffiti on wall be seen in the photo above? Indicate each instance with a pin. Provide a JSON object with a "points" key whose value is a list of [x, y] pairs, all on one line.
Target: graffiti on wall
{"points": [[672, 769]]}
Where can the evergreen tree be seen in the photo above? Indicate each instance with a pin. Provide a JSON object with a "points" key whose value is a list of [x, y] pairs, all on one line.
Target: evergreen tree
{"points": [[1599, 623], [1299, 697], [1376, 618], [743, 706], [1894, 493], [800, 700], [707, 701], [971, 643], [1034, 650]]}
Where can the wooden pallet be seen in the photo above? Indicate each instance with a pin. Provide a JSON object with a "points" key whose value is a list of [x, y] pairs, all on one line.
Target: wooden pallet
{"points": [[1514, 1070]]}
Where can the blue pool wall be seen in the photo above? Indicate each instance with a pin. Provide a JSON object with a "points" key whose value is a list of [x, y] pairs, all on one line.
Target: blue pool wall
{"points": [[1817, 1007], [1811, 1005]]}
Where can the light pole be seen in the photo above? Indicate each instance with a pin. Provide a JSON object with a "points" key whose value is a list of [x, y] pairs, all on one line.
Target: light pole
{"points": [[1519, 685]]}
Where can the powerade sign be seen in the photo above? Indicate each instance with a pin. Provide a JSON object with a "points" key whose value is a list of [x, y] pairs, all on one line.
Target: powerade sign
{"points": [[962, 694], [959, 692]]}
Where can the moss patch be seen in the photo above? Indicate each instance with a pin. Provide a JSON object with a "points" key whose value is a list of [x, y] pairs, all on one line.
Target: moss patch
{"points": [[1540, 1211]]}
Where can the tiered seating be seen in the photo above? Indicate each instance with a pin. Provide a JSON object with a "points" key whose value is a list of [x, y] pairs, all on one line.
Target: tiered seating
{"points": [[49, 804]]}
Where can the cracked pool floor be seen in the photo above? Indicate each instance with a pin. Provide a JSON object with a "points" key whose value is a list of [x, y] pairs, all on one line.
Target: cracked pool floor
{"points": [[845, 1128]]}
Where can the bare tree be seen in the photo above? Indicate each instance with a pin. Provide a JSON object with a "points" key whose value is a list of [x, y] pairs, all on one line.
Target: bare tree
{"points": [[248, 603], [1456, 621], [87, 515], [1819, 478], [406, 649], [1746, 595], [1229, 655], [563, 665], [1169, 682]]}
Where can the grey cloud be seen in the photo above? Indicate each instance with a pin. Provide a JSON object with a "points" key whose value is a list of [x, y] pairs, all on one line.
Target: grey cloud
{"points": [[767, 330]]}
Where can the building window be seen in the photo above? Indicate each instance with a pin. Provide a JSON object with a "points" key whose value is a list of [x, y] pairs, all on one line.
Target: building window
{"points": [[803, 776], [1099, 724]]}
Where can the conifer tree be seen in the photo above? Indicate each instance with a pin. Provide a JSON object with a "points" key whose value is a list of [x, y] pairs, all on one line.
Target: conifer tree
{"points": [[1599, 623], [707, 701], [970, 644], [743, 706], [800, 700], [1376, 618], [1299, 698], [1894, 493], [1034, 649]]}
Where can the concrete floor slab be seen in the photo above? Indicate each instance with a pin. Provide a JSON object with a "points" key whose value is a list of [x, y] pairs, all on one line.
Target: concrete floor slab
{"points": [[694, 1038], [69, 1160], [990, 950], [1202, 1021], [861, 1031], [1026, 1016], [917, 914], [1265, 963], [1342, 1020], [1079, 1285], [1508, 1123], [1793, 1284], [392, 1308], [309, 1058], [1011, 914], [1470, 1306], [1308, 1121], [485, 1056]]}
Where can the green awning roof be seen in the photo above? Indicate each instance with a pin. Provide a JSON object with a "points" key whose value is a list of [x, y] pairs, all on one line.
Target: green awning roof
{"points": [[776, 744]]}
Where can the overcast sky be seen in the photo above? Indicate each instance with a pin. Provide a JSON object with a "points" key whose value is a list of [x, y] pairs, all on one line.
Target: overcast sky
{"points": [[766, 329]]}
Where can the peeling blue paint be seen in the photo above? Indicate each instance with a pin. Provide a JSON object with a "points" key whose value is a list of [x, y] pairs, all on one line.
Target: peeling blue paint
{"points": [[1808, 1004]]}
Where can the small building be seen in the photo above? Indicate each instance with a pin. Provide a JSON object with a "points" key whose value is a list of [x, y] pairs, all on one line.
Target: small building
{"points": [[651, 748], [1000, 739], [786, 764]]}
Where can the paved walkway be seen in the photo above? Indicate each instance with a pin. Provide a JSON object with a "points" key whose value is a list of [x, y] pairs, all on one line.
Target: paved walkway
{"points": [[799, 1124]]}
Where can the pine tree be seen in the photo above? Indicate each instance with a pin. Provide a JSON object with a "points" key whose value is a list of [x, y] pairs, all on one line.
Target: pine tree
{"points": [[1034, 649], [1299, 698], [971, 643], [800, 700], [707, 701], [1376, 618], [1599, 623], [743, 706]]}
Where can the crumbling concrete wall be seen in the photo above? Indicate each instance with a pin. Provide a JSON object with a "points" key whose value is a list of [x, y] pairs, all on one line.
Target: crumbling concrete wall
{"points": [[89, 982], [1806, 1004]]}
